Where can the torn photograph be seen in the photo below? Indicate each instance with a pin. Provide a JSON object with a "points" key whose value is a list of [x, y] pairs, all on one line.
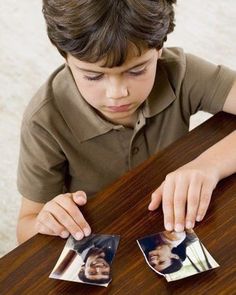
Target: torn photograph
{"points": [[176, 255], [87, 261]]}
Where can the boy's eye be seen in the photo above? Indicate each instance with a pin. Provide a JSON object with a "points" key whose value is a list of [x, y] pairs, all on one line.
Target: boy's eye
{"points": [[94, 78], [135, 72], [138, 72]]}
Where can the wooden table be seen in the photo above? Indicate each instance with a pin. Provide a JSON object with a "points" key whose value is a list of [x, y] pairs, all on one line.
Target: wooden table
{"points": [[122, 209]]}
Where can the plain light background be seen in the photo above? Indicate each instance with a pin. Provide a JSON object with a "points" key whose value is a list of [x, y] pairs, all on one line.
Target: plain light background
{"points": [[205, 28]]}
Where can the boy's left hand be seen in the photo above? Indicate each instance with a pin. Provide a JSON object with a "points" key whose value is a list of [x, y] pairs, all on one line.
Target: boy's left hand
{"points": [[185, 194]]}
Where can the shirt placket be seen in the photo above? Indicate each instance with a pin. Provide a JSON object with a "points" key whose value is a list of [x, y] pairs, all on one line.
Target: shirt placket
{"points": [[124, 135], [137, 148]]}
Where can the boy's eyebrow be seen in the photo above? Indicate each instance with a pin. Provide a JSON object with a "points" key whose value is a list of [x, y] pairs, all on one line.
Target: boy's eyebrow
{"points": [[98, 72]]}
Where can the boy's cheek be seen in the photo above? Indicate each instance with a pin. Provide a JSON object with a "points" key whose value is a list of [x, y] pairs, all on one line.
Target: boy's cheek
{"points": [[90, 92]]}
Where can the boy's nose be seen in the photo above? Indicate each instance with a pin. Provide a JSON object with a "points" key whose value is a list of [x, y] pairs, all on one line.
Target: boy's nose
{"points": [[117, 90]]}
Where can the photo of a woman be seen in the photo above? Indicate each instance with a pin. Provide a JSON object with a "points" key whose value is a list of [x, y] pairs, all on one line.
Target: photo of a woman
{"points": [[176, 255]]}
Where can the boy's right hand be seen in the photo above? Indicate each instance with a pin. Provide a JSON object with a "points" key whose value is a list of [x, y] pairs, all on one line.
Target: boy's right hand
{"points": [[62, 217]]}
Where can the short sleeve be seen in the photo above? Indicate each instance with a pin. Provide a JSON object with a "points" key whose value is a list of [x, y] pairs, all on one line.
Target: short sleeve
{"points": [[41, 166], [205, 86]]}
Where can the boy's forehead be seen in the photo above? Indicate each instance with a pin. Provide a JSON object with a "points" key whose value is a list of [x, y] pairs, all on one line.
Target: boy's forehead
{"points": [[132, 60]]}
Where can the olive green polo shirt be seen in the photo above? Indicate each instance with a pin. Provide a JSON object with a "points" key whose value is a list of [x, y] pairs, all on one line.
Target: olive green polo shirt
{"points": [[67, 146]]}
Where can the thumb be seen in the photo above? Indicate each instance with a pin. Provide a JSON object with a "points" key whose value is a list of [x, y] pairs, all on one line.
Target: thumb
{"points": [[156, 198], [79, 198]]}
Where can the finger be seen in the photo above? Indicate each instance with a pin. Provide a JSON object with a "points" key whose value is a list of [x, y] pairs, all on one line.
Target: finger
{"points": [[43, 229], [75, 214], [168, 202], [205, 199], [65, 219], [79, 198], [180, 197], [46, 219], [194, 192], [156, 198]]}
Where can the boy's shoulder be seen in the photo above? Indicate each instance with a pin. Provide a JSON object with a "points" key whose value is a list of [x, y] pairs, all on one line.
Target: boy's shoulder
{"points": [[181, 67]]}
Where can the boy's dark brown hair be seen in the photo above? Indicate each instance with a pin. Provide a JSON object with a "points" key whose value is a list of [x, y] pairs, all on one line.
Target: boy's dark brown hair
{"points": [[95, 30]]}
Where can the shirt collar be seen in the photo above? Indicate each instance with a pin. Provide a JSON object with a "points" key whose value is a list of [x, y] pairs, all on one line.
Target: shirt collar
{"points": [[83, 120], [162, 94], [80, 117]]}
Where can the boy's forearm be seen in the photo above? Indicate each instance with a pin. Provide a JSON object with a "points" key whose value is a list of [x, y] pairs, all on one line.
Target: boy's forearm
{"points": [[26, 228], [222, 156]]}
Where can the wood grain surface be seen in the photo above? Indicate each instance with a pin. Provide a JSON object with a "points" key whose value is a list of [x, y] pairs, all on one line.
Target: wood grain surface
{"points": [[122, 209]]}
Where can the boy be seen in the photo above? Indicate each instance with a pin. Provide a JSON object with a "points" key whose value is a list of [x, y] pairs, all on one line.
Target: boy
{"points": [[119, 98]]}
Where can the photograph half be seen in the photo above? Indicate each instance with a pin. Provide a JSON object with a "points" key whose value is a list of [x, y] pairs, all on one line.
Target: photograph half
{"points": [[87, 261], [176, 255]]}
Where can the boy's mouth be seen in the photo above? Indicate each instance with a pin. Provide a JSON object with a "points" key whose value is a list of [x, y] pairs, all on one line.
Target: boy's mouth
{"points": [[121, 108]]}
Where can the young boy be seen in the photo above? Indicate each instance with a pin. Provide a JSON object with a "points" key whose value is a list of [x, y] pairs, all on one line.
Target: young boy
{"points": [[119, 98]]}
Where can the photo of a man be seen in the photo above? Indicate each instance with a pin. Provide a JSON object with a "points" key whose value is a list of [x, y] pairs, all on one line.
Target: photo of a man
{"points": [[96, 267], [94, 256]]}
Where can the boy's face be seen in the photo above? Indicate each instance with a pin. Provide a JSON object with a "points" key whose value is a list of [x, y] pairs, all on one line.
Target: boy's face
{"points": [[116, 93]]}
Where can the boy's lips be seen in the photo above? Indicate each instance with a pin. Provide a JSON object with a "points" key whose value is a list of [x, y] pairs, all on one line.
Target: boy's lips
{"points": [[121, 108]]}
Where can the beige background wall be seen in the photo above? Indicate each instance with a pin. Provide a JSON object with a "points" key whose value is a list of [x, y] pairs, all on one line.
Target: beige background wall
{"points": [[205, 28]]}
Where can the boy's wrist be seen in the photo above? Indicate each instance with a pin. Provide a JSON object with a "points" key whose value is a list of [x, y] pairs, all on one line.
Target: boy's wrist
{"points": [[221, 157], [211, 165], [26, 228]]}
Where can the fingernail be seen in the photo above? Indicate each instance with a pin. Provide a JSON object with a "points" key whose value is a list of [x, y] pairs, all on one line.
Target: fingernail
{"points": [[150, 206], [87, 232], [78, 236], [189, 225], [199, 218], [169, 227], [64, 234], [80, 197], [179, 227]]}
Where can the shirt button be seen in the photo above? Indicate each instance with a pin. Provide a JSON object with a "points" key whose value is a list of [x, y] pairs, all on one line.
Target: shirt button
{"points": [[135, 150]]}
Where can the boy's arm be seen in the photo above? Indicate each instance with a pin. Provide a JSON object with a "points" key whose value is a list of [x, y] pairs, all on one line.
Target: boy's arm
{"points": [[27, 218], [191, 185], [230, 103], [59, 217]]}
